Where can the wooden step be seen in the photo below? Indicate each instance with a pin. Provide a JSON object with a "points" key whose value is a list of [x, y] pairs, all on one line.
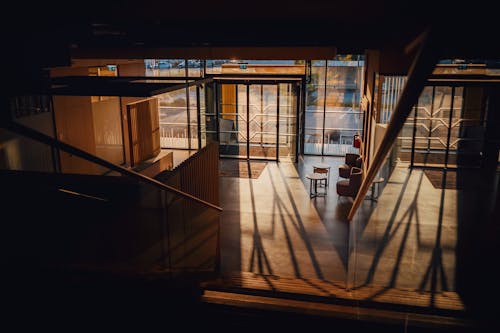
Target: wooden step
{"points": [[443, 303], [350, 314]]}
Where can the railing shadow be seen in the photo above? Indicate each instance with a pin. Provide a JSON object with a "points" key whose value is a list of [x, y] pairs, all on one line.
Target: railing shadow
{"points": [[388, 233], [332, 211], [259, 257], [299, 225], [435, 266]]}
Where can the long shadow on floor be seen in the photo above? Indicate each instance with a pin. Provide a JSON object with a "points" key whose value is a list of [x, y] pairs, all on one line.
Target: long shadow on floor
{"points": [[297, 223]]}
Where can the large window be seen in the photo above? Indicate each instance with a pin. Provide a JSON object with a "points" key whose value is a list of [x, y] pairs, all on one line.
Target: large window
{"points": [[333, 114]]}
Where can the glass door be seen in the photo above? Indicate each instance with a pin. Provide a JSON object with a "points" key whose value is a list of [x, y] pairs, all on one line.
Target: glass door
{"points": [[258, 121], [262, 123], [288, 125]]}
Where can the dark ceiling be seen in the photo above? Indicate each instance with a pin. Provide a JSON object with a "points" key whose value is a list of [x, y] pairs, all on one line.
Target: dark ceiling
{"points": [[347, 25], [45, 33]]}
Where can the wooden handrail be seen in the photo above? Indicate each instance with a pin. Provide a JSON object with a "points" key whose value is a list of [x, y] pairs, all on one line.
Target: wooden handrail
{"points": [[421, 68], [37, 136]]}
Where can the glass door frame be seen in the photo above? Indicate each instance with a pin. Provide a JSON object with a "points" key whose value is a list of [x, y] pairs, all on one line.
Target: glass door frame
{"points": [[297, 80]]}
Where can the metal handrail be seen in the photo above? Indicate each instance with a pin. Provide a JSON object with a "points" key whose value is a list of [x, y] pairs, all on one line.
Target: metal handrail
{"points": [[37, 136]]}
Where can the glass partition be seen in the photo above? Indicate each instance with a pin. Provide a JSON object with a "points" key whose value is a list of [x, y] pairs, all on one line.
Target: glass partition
{"points": [[408, 233], [208, 112], [193, 117], [100, 218], [173, 119], [179, 117]]}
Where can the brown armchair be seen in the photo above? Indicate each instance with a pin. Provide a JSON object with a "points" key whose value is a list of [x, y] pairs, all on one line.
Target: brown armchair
{"points": [[351, 160], [350, 187]]}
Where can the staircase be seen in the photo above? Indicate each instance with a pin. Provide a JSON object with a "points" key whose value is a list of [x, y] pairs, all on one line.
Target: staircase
{"points": [[389, 307]]}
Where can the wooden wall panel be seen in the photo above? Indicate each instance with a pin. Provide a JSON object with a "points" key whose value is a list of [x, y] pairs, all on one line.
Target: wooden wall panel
{"points": [[75, 126], [144, 130]]}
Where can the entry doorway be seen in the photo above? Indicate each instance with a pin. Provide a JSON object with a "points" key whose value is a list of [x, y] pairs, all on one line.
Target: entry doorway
{"points": [[258, 120]]}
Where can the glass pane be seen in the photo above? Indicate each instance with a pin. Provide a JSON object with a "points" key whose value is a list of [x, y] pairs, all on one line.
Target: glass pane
{"points": [[262, 121], [432, 126], [173, 119], [232, 122], [117, 221], [405, 138], [313, 141], [215, 66], [23, 154], [20, 153], [165, 67], [203, 119], [315, 89], [193, 117], [287, 121], [210, 116], [194, 68], [392, 87], [341, 116]]}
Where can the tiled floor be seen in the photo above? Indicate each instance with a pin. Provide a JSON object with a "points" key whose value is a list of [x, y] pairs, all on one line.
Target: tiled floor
{"points": [[270, 225], [410, 238]]}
